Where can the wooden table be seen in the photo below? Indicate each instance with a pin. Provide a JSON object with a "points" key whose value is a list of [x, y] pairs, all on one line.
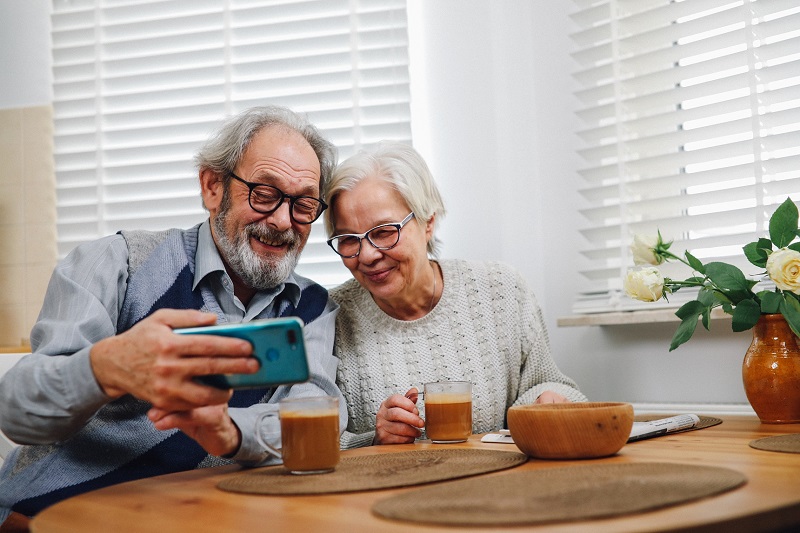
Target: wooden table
{"points": [[189, 501]]}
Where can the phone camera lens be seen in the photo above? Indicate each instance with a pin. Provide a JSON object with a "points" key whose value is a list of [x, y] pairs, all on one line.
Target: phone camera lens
{"points": [[290, 335]]}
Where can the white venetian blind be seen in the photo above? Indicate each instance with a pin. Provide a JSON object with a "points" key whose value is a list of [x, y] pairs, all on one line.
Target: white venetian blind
{"points": [[691, 126], [140, 84]]}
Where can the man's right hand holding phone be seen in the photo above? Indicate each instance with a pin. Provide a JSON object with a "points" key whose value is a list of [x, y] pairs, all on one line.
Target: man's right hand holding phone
{"points": [[154, 364]]}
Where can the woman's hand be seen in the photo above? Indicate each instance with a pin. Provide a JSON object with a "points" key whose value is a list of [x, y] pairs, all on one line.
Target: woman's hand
{"points": [[549, 396], [398, 420]]}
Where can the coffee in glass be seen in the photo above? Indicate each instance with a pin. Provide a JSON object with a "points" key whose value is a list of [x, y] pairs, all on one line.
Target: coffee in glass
{"points": [[448, 411]]}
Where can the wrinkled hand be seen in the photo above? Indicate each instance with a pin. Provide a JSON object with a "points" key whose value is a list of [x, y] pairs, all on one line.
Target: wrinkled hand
{"points": [[210, 426], [398, 420], [154, 364], [549, 396]]}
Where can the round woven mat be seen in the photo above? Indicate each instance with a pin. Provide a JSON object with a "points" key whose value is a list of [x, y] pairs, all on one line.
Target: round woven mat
{"points": [[778, 443], [558, 494], [380, 471], [705, 421]]}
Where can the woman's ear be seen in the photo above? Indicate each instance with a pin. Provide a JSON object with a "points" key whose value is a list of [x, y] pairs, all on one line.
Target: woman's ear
{"points": [[211, 189], [429, 227]]}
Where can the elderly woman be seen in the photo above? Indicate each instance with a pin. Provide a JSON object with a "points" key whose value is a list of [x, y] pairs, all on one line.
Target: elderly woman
{"points": [[407, 319]]}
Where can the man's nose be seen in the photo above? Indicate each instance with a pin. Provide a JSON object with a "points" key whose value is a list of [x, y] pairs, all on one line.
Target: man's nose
{"points": [[281, 218]]}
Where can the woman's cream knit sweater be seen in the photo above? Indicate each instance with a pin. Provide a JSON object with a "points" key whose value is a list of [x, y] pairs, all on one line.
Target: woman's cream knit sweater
{"points": [[487, 329]]}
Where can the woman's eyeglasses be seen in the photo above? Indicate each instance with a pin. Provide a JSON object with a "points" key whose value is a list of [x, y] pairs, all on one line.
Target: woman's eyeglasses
{"points": [[382, 237]]}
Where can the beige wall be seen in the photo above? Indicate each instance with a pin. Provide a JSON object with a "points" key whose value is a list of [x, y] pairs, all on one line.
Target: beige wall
{"points": [[28, 250]]}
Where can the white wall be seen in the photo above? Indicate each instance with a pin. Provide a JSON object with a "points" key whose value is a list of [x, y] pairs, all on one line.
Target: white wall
{"points": [[25, 77], [7, 360], [494, 114]]}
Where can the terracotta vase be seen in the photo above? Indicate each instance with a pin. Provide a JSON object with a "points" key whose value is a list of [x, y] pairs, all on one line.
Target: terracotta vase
{"points": [[771, 371]]}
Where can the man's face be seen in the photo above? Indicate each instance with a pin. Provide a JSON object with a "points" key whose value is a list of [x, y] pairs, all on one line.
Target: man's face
{"points": [[262, 250]]}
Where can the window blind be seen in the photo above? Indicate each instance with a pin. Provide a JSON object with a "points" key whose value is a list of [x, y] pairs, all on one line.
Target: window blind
{"points": [[690, 115], [140, 84]]}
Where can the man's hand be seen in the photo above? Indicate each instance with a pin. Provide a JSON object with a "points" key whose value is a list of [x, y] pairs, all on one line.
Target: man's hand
{"points": [[154, 364], [210, 426], [398, 420]]}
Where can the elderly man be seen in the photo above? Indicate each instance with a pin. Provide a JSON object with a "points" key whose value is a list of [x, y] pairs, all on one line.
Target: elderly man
{"points": [[109, 394]]}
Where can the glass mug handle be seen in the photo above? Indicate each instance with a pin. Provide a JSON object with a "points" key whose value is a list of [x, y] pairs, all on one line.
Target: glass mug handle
{"points": [[262, 417], [417, 395]]}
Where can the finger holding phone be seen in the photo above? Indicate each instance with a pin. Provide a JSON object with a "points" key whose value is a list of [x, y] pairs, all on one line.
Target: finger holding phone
{"points": [[211, 426], [278, 348], [153, 364]]}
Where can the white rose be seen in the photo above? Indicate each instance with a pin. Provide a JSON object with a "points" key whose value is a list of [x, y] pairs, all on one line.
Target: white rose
{"points": [[645, 284], [783, 267], [642, 249]]}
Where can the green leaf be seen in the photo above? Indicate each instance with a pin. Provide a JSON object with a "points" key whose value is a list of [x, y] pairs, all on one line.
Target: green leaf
{"points": [[757, 252], [695, 263], [706, 316], [792, 296], [706, 297], [689, 313], [684, 331], [783, 224], [795, 246], [746, 315], [730, 280], [770, 301], [690, 309], [790, 309], [727, 276]]}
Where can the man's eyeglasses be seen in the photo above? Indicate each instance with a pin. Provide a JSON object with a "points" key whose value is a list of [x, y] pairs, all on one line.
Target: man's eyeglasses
{"points": [[382, 237], [266, 199]]}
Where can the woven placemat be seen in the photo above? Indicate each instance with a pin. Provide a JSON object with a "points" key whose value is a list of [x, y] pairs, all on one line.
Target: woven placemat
{"points": [[778, 443], [558, 494], [705, 421], [370, 472]]}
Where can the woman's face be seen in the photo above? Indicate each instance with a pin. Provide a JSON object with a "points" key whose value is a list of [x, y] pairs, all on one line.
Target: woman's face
{"points": [[394, 276]]}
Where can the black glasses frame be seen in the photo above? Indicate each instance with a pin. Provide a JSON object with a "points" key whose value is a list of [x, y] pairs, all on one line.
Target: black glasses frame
{"points": [[365, 235], [283, 196]]}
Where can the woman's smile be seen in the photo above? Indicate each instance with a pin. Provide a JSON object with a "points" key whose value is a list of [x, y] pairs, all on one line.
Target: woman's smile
{"points": [[378, 276]]}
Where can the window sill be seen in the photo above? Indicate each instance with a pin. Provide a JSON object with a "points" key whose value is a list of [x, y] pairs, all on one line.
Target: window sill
{"points": [[22, 348], [628, 317]]}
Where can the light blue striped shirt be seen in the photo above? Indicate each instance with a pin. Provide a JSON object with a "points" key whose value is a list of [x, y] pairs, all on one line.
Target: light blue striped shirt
{"points": [[52, 393]]}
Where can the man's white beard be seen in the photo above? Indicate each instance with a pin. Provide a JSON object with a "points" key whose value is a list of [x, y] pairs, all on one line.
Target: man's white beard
{"points": [[257, 272]]}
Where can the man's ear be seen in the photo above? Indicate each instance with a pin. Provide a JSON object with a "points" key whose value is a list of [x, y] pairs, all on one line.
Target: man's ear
{"points": [[211, 189]]}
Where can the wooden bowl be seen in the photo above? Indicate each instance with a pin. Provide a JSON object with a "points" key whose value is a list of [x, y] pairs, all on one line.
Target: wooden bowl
{"points": [[571, 430]]}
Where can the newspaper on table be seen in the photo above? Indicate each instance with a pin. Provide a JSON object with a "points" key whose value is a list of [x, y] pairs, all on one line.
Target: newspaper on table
{"points": [[662, 426]]}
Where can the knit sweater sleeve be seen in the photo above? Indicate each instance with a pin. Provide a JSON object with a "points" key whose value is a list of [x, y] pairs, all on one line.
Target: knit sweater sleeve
{"points": [[350, 440], [539, 372]]}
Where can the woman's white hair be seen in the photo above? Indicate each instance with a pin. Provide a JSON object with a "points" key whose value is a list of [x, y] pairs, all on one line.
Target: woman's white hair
{"points": [[403, 168]]}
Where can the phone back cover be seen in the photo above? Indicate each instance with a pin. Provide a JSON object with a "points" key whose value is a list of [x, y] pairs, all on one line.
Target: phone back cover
{"points": [[277, 343]]}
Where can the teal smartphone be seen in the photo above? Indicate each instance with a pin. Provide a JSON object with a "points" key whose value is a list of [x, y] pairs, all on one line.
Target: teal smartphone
{"points": [[277, 344]]}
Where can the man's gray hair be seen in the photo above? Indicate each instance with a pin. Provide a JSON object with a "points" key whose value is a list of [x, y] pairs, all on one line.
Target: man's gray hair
{"points": [[222, 152], [403, 168]]}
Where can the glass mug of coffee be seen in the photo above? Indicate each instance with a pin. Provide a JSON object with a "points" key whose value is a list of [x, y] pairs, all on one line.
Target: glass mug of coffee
{"points": [[309, 434], [448, 411]]}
